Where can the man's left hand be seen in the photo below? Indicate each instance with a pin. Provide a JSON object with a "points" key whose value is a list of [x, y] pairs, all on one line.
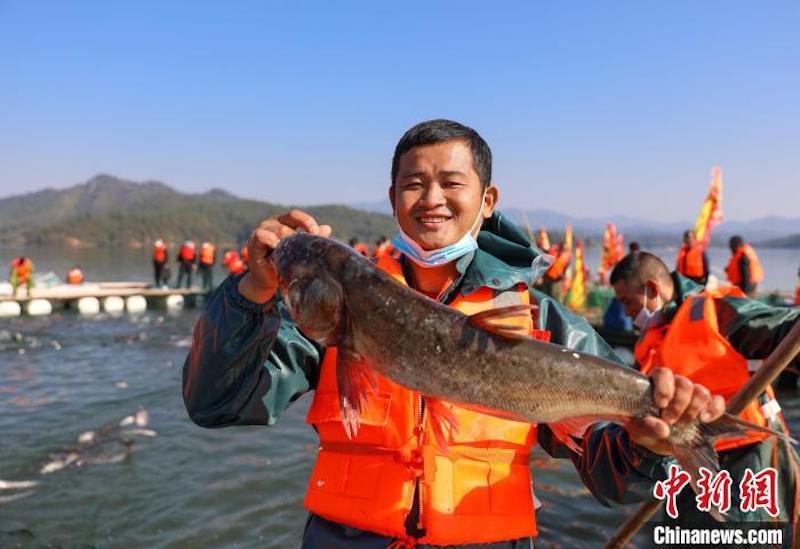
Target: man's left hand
{"points": [[680, 401]]}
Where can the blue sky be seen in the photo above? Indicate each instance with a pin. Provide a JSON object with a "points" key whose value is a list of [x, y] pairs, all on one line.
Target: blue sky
{"points": [[591, 108]]}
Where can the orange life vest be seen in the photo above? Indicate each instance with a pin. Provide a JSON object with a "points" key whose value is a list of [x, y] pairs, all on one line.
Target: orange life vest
{"points": [[75, 276], [383, 249], [690, 261], [361, 248], [160, 253], [207, 253], [692, 346], [479, 492], [237, 266], [187, 251], [734, 271], [22, 269]]}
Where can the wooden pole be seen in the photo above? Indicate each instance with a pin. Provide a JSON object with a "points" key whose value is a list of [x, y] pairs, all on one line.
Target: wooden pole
{"points": [[775, 363]]}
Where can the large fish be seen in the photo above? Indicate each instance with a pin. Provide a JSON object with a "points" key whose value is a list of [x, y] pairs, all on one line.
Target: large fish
{"points": [[340, 299]]}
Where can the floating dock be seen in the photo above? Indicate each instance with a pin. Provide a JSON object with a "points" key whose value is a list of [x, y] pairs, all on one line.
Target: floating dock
{"points": [[88, 299]]}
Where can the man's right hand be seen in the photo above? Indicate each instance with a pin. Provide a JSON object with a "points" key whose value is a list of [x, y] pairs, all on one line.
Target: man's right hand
{"points": [[261, 281]]}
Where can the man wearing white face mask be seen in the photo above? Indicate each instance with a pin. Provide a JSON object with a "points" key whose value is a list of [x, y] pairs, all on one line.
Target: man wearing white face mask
{"points": [[390, 485], [715, 338]]}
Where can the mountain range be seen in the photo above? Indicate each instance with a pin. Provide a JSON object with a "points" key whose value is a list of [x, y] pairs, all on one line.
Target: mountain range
{"points": [[107, 210], [767, 231]]}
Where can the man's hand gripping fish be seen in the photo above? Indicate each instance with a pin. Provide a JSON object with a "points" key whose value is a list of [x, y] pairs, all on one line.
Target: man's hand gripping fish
{"points": [[340, 299]]}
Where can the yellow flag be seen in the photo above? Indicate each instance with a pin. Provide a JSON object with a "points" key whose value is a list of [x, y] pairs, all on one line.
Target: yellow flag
{"points": [[711, 212], [576, 299]]}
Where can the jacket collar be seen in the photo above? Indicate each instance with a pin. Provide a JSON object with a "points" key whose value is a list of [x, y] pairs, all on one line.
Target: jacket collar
{"points": [[684, 288], [504, 258]]}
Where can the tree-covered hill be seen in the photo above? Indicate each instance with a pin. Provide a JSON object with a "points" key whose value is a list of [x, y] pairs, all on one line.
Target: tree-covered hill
{"points": [[107, 211]]}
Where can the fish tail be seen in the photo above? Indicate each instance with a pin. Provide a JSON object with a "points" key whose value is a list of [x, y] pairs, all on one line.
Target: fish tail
{"points": [[699, 450]]}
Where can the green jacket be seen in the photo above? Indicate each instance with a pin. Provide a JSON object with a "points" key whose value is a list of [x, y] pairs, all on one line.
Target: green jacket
{"points": [[248, 362]]}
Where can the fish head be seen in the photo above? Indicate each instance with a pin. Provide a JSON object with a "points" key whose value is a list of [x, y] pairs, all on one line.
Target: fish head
{"points": [[307, 268]]}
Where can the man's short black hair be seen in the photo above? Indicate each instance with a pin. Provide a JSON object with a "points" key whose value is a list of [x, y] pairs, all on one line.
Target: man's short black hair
{"points": [[432, 132], [638, 267], [736, 242]]}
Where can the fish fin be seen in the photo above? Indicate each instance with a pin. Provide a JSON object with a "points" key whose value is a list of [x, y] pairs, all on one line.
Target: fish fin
{"points": [[567, 430], [699, 450], [491, 321], [442, 420], [354, 381], [730, 426]]}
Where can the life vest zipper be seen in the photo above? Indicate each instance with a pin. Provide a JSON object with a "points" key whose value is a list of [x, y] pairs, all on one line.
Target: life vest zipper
{"points": [[420, 440]]}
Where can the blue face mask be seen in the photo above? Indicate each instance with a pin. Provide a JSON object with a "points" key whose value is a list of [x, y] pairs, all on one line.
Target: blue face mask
{"points": [[434, 258]]}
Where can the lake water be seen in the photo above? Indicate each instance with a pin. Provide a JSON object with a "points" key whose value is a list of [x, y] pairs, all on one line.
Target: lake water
{"points": [[63, 375]]}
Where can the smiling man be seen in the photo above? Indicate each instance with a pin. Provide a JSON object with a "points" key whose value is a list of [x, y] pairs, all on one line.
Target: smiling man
{"points": [[391, 485]]}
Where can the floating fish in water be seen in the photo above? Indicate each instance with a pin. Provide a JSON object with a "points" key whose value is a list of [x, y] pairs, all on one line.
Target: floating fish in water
{"points": [[480, 362], [17, 484], [111, 443]]}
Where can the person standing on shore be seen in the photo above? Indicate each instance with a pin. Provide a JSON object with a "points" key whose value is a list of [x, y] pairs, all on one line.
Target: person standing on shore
{"points": [[186, 258], [208, 257], [160, 256], [21, 274]]}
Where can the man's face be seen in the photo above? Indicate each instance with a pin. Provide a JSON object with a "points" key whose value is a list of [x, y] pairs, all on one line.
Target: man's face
{"points": [[631, 296], [437, 195]]}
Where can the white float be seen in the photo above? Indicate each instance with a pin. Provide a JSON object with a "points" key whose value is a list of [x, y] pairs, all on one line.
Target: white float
{"points": [[10, 308], [113, 304], [136, 304], [175, 301], [38, 307], [6, 288], [88, 305]]}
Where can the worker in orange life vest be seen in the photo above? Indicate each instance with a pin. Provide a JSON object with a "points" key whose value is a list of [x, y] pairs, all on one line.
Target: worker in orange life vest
{"points": [[160, 257], [187, 255], [744, 268], [233, 262], [692, 259], [206, 261], [717, 339], [75, 275], [382, 247], [359, 246], [389, 485], [21, 274]]}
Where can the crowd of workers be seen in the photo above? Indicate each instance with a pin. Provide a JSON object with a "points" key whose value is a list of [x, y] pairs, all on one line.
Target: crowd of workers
{"points": [[743, 269], [188, 256]]}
